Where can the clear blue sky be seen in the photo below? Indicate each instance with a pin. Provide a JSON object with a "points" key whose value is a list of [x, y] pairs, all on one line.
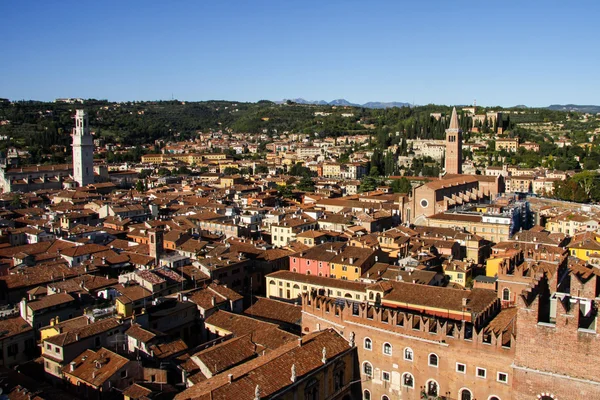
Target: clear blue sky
{"points": [[445, 52]]}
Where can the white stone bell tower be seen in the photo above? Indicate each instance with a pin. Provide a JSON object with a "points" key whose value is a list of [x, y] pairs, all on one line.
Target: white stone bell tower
{"points": [[83, 150]]}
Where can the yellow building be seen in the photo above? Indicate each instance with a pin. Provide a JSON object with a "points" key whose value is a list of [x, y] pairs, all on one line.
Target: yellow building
{"points": [[133, 300], [215, 156], [56, 327], [332, 170], [353, 261], [493, 264], [225, 165], [571, 224], [458, 272], [228, 181], [493, 228], [290, 285], [153, 158], [585, 246], [507, 144]]}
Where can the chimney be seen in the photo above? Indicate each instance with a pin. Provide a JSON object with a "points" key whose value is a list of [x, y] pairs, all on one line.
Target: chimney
{"points": [[324, 359], [213, 301], [230, 377], [299, 342], [72, 366], [464, 301]]}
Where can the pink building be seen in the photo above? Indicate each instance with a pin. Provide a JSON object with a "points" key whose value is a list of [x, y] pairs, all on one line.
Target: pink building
{"points": [[315, 261]]}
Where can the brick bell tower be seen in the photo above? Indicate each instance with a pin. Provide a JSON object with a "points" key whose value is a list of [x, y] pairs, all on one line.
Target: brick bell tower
{"points": [[453, 146]]}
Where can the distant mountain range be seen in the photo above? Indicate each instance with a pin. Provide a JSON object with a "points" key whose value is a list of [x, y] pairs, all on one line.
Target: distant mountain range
{"points": [[575, 107], [380, 104], [344, 102]]}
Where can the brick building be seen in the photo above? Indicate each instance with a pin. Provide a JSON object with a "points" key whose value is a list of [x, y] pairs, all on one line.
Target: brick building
{"points": [[463, 353]]}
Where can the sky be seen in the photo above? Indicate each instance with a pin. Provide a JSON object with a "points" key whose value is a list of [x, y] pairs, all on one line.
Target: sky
{"points": [[450, 52]]}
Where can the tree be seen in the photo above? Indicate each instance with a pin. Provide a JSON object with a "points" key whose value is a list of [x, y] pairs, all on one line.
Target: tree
{"points": [[163, 171], [231, 171], [586, 180], [299, 170], [15, 202], [369, 183], [401, 185], [140, 186], [183, 170], [306, 184], [262, 169], [284, 191]]}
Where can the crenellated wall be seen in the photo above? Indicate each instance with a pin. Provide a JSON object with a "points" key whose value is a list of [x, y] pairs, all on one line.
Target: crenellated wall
{"points": [[451, 341]]}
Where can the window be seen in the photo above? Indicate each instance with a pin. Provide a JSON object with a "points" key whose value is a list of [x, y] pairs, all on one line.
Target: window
{"points": [[461, 368], [366, 395], [433, 360], [384, 397], [481, 372], [311, 391], [48, 346], [408, 354], [432, 388], [494, 398], [502, 377], [387, 349], [368, 369], [12, 350], [124, 374], [368, 344], [465, 394], [385, 376], [506, 294], [408, 380]]}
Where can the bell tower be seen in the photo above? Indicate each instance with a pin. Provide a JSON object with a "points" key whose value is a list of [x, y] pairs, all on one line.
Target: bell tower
{"points": [[453, 146], [83, 150]]}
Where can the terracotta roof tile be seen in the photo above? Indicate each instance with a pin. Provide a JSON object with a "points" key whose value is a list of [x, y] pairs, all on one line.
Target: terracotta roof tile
{"points": [[275, 310]]}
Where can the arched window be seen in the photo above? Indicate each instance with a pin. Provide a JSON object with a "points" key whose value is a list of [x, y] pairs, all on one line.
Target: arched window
{"points": [[387, 349], [311, 390], [408, 380], [384, 397], [294, 270], [408, 354], [432, 388], [506, 294], [465, 394], [494, 398], [368, 344], [272, 283], [366, 395], [433, 360], [296, 287], [368, 369]]}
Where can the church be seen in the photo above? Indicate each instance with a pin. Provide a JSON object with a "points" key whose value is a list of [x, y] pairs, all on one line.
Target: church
{"points": [[60, 176], [453, 188]]}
